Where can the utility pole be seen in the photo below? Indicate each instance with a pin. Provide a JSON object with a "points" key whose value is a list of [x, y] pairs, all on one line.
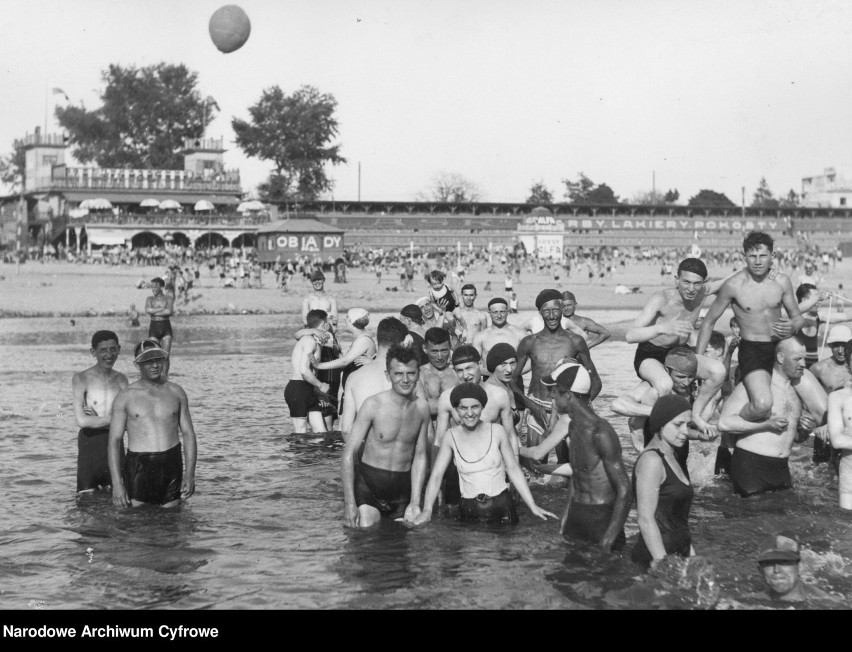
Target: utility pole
{"points": [[743, 200], [359, 180]]}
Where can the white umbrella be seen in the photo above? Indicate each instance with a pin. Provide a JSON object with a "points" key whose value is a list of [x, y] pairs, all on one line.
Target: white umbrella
{"points": [[78, 212], [169, 204], [252, 205], [149, 203], [203, 205], [98, 204]]}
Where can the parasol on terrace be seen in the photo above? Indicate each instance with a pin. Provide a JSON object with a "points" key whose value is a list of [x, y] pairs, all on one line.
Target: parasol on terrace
{"points": [[252, 205], [98, 204], [170, 205], [150, 203], [203, 205]]}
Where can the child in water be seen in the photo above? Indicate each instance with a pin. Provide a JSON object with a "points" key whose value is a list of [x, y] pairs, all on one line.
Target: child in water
{"points": [[444, 299], [133, 315]]}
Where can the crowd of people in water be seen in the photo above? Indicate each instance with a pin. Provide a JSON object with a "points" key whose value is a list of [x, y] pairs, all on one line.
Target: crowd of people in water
{"points": [[447, 408]]}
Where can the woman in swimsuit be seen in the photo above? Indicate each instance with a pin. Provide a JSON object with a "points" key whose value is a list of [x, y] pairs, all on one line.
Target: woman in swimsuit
{"points": [[484, 458], [661, 485]]}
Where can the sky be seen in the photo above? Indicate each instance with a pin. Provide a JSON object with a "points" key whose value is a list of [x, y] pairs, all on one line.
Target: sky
{"points": [[671, 94]]}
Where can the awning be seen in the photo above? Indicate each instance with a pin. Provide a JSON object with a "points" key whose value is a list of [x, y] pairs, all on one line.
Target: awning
{"points": [[104, 236], [138, 197]]}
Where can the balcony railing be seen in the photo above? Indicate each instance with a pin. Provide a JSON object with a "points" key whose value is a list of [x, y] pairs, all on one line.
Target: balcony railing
{"points": [[171, 220], [67, 178]]}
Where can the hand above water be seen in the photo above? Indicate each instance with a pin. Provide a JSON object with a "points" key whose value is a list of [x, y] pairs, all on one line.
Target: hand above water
{"points": [[543, 514]]}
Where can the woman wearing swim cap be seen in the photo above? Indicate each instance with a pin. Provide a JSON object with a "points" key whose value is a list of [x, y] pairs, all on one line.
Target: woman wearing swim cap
{"points": [[484, 457], [661, 485]]}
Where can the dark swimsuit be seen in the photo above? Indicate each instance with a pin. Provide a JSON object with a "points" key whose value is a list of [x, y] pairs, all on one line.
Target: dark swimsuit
{"points": [[330, 376], [589, 523], [672, 515], [752, 473], [387, 491], [646, 350], [756, 355], [160, 329], [301, 398], [154, 478], [92, 458], [489, 509]]}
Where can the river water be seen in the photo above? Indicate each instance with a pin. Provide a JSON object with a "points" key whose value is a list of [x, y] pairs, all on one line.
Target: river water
{"points": [[264, 529]]}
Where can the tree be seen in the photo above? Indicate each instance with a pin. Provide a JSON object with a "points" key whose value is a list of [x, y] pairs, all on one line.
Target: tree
{"points": [[584, 191], [791, 200], [648, 198], [450, 187], [710, 199], [540, 194], [763, 196], [145, 116], [602, 194], [13, 167], [293, 132], [671, 196]]}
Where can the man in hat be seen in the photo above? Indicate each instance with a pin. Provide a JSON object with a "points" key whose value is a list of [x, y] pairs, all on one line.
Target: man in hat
{"points": [[160, 306], [599, 495], [832, 373], [778, 559], [155, 414], [412, 316], [319, 299], [543, 351], [760, 462]]}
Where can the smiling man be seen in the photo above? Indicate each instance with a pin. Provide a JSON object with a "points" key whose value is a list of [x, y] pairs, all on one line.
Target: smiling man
{"points": [[319, 299]]}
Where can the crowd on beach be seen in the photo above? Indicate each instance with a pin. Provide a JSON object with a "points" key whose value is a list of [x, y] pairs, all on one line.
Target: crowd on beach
{"points": [[446, 408]]}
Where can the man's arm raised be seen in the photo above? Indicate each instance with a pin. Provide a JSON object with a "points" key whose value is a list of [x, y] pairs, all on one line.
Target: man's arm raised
{"points": [[644, 327]]}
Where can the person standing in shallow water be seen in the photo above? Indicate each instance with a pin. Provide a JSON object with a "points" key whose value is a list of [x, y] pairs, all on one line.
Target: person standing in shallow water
{"points": [[94, 391], [154, 412], [160, 306]]}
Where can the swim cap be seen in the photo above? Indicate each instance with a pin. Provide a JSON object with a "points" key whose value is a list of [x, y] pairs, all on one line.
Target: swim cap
{"points": [[354, 314], [148, 349], [498, 300], [839, 334], [665, 409], [317, 275], [468, 390], [569, 374], [465, 353], [498, 354], [547, 295], [683, 360]]}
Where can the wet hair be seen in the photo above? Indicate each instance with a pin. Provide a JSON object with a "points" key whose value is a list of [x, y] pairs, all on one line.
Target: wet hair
{"points": [[400, 353], [756, 238], [568, 296], [315, 318], [497, 300], [390, 331], [717, 340], [693, 265], [413, 312], [103, 336], [437, 275], [436, 335], [804, 290], [158, 281], [468, 286]]}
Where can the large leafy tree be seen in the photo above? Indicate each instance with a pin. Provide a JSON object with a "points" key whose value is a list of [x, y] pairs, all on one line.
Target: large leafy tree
{"points": [[146, 114], [450, 187], [763, 196], [13, 167], [710, 199], [584, 191], [293, 132], [540, 194]]}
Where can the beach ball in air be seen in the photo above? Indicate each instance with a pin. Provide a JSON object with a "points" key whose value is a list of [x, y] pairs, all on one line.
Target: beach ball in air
{"points": [[229, 28]]}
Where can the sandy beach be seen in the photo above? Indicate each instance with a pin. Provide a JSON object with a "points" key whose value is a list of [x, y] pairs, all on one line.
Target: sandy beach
{"points": [[63, 289]]}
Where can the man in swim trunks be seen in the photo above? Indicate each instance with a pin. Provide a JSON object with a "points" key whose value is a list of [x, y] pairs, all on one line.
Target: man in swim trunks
{"points": [[393, 425], [542, 352], [304, 390], [476, 320], [161, 305], [840, 430], [756, 300], [155, 413], [437, 376], [94, 391], [760, 462], [593, 332], [667, 321], [319, 299], [832, 373], [599, 495], [499, 331]]}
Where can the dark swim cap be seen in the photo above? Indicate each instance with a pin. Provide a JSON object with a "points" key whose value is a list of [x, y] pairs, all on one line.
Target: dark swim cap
{"points": [[547, 295], [468, 390], [665, 409], [498, 354], [682, 359], [465, 353], [498, 300]]}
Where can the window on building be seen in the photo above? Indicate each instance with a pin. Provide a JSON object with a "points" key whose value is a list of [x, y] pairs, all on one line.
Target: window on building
{"points": [[843, 201], [48, 159]]}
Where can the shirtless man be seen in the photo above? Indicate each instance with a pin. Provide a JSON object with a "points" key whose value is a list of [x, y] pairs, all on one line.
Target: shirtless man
{"points": [[301, 391], [593, 332], [476, 320], [393, 425], [681, 365], [760, 461], [544, 351], [840, 429], [94, 391], [153, 411], [437, 375], [430, 318], [499, 331], [160, 306], [599, 494], [667, 321], [319, 299], [756, 300], [371, 378]]}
